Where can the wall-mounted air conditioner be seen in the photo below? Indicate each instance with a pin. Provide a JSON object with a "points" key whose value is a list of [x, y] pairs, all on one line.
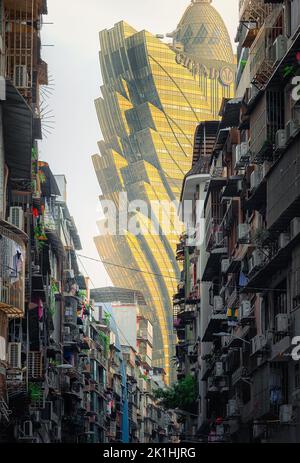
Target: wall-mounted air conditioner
{"points": [[245, 309], [69, 273], [219, 238], [280, 139], [14, 355], [295, 227], [21, 76], [258, 343], [283, 240], [245, 151], [232, 408], [243, 233], [238, 160], [16, 217], [27, 429], [255, 179], [282, 323], [225, 265], [286, 414], [292, 128], [67, 330], [265, 168], [219, 370], [280, 46], [218, 304], [258, 429], [258, 258]]}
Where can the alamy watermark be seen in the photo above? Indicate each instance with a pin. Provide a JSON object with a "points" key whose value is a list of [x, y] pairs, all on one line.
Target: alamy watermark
{"points": [[155, 217]]}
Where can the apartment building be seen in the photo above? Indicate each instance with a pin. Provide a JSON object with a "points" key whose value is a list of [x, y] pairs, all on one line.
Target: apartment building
{"points": [[246, 203], [134, 414]]}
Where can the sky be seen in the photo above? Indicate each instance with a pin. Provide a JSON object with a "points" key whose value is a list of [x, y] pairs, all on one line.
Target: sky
{"points": [[71, 47]]}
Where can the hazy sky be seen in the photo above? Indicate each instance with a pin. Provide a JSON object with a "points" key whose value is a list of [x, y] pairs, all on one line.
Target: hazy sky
{"points": [[73, 63]]}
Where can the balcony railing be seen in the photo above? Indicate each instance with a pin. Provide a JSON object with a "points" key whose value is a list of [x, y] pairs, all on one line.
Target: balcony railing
{"points": [[12, 273], [254, 11], [145, 336]]}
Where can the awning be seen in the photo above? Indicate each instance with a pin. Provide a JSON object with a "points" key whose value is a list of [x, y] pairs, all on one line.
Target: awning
{"points": [[231, 189], [49, 187], [215, 324], [56, 243], [17, 132]]}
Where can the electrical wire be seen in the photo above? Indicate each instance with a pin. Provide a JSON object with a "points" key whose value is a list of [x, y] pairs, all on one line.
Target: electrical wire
{"points": [[172, 278], [119, 329], [128, 268]]}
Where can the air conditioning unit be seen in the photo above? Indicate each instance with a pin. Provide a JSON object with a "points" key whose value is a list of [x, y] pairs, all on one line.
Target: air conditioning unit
{"points": [[190, 350], [280, 139], [21, 76], [245, 309], [14, 355], [225, 265], [238, 157], [245, 151], [258, 343], [35, 416], [282, 323], [27, 429], [47, 412], [243, 233], [286, 414], [292, 128], [211, 386], [67, 330], [255, 179], [295, 227], [280, 46], [69, 274], [283, 240], [258, 258], [16, 217], [219, 371], [258, 429], [250, 265], [219, 238], [218, 304], [232, 408], [265, 168]]}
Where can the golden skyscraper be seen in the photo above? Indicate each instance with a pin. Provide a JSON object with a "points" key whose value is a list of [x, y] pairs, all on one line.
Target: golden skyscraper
{"points": [[153, 97]]}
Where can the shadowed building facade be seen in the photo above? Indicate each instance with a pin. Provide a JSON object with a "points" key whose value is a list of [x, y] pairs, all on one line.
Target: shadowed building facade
{"points": [[154, 95]]}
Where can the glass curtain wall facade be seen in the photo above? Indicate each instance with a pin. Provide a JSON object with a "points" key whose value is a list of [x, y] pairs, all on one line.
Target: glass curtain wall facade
{"points": [[154, 95]]}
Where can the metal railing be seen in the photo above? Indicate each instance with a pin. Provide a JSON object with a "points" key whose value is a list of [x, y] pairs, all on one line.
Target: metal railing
{"points": [[12, 273]]}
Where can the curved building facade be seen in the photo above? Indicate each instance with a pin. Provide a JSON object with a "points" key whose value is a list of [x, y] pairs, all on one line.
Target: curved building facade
{"points": [[153, 97]]}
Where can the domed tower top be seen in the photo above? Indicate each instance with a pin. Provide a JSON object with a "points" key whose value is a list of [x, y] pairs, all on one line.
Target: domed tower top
{"points": [[203, 34]]}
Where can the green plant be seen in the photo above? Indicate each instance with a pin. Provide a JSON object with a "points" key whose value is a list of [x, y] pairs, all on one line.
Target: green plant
{"points": [[35, 392], [41, 176], [81, 293], [104, 341], [181, 395], [107, 317], [34, 153]]}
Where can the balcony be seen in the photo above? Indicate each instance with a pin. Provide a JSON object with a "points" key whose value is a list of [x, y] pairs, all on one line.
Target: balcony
{"points": [[254, 11], [217, 322], [263, 55], [187, 313], [268, 265], [98, 356], [12, 270], [218, 249], [145, 335], [283, 189], [266, 119]]}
